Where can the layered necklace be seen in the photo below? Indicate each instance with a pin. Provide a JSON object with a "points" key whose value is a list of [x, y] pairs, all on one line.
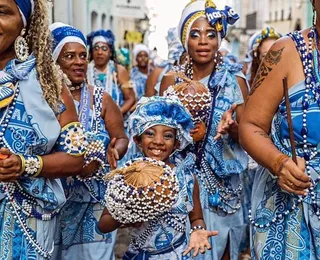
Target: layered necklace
{"points": [[219, 196]]}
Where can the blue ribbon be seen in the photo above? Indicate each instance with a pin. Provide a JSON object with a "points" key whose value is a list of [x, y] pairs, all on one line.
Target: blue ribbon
{"points": [[221, 18]]}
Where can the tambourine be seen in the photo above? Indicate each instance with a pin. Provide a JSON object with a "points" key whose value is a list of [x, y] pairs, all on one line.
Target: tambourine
{"points": [[196, 98]]}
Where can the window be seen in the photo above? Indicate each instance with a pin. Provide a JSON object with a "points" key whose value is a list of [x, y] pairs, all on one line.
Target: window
{"points": [[94, 21]]}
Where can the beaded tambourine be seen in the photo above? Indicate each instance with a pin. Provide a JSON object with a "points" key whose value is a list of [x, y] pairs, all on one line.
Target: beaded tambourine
{"points": [[196, 98], [141, 191]]}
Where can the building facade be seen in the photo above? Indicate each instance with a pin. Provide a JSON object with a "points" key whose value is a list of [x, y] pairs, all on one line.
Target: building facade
{"points": [[284, 15], [91, 15]]}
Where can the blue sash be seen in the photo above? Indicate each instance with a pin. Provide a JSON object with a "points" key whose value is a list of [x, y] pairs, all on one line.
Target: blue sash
{"points": [[145, 255]]}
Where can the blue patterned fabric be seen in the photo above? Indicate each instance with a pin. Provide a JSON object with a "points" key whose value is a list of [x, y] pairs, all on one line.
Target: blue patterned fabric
{"points": [[78, 236], [32, 130], [297, 234], [139, 79], [159, 234]]}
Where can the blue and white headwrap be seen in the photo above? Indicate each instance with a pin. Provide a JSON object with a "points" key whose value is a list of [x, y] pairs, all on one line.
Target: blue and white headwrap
{"points": [[101, 36], [26, 8], [62, 34], [158, 110], [219, 19]]}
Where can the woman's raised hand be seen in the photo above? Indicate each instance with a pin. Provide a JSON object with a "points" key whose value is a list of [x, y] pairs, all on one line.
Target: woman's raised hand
{"points": [[227, 122]]}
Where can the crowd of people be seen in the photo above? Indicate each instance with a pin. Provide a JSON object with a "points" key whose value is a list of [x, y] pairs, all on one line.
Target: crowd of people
{"points": [[236, 142]]}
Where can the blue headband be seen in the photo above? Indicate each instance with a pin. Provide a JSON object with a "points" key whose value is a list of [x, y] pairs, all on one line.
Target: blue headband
{"points": [[107, 35], [62, 34], [26, 9]]}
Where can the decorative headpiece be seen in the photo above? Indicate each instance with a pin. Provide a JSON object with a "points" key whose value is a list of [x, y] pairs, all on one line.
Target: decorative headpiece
{"points": [[141, 191], [166, 111], [266, 33], [26, 8], [196, 98], [218, 19], [139, 48], [101, 36], [62, 34]]}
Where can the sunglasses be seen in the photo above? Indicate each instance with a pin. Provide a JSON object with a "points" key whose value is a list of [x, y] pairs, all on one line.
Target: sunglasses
{"points": [[102, 47]]}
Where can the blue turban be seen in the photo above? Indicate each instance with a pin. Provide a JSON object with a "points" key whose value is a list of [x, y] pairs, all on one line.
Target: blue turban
{"points": [[158, 110], [101, 36], [218, 19], [26, 9], [62, 34]]}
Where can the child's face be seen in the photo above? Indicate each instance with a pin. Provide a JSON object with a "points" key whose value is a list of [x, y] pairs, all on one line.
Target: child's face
{"points": [[158, 142]]}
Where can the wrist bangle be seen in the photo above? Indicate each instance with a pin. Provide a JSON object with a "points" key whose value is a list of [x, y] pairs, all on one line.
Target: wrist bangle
{"points": [[31, 166], [196, 228], [279, 163], [23, 163]]}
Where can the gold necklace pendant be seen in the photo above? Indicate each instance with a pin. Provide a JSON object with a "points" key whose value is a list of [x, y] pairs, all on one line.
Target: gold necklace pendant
{"points": [[7, 91]]}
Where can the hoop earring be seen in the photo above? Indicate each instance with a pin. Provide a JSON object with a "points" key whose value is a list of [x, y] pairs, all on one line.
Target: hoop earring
{"points": [[21, 47]]}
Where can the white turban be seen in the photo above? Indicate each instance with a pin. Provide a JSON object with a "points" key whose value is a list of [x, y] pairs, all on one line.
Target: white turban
{"points": [[139, 48]]}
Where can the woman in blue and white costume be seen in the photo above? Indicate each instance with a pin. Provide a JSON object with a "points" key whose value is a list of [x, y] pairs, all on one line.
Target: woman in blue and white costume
{"points": [[221, 160], [285, 197], [139, 73], [39, 127], [103, 71], [161, 125], [77, 234]]}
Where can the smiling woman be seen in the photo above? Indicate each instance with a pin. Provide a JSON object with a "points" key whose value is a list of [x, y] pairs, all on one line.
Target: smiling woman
{"points": [[107, 143]]}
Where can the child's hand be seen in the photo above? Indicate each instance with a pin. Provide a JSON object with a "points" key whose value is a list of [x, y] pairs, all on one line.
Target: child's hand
{"points": [[112, 154], [199, 241], [226, 123]]}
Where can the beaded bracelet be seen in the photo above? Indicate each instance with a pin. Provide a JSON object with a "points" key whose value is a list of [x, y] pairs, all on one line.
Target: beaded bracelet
{"points": [[31, 166], [196, 228], [279, 163]]}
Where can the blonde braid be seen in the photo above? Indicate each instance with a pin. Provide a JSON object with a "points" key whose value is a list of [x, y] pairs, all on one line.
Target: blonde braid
{"points": [[40, 41]]}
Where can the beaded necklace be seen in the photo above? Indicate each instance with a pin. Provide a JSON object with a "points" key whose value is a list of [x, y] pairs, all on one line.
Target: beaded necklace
{"points": [[95, 149], [310, 60], [20, 203], [218, 195]]}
